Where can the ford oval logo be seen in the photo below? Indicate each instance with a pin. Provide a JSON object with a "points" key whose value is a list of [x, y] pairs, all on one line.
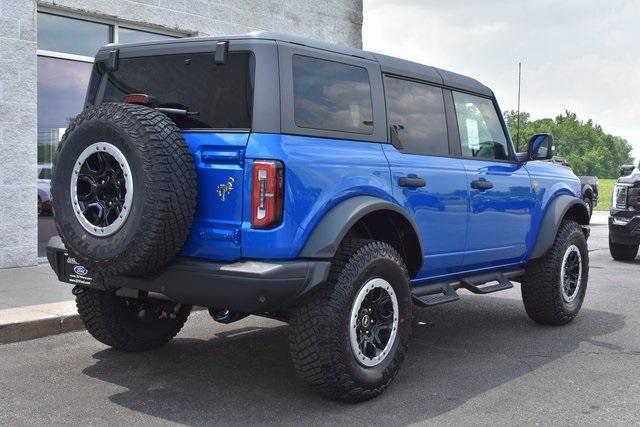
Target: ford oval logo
{"points": [[80, 270]]}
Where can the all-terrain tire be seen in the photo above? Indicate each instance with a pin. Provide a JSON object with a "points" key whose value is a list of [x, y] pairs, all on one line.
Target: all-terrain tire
{"points": [[319, 331], [164, 189], [114, 320], [621, 252], [589, 202], [541, 286]]}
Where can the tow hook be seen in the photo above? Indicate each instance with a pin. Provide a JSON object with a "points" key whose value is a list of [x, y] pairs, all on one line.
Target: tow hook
{"points": [[77, 290]]}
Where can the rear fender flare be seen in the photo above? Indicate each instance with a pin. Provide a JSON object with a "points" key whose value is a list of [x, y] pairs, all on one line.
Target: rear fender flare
{"points": [[333, 227]]}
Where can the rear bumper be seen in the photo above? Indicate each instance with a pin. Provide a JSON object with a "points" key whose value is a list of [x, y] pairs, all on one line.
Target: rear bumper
{"points": [[247, 286], [624, 229]]}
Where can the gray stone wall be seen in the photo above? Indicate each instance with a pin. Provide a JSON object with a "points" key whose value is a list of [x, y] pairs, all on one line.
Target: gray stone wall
{"points": [[18, 122], [337, 21]]}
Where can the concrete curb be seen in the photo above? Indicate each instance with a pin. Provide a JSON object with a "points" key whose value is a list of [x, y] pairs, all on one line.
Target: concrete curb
{"points": [[36, 321]]}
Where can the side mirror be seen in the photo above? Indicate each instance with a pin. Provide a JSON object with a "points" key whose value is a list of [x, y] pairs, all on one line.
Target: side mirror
{"points": [[541, 147], [626, 170]]}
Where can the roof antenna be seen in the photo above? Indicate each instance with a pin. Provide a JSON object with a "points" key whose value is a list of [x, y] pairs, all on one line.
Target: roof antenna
{"points": [[518, 122]]}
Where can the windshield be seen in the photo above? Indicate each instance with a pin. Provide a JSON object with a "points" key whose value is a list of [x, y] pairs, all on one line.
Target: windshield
{"points": [[220, 96]]}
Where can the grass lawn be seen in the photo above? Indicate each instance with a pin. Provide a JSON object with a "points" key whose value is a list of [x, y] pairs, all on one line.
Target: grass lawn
{"points": [[605, 194]]}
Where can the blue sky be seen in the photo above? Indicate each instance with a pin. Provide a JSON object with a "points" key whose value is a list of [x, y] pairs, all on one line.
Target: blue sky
{"points": [[583, 56]]}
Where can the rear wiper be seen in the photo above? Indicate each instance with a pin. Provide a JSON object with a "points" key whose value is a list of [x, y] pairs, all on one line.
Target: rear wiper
{"points": [[177, 111]]}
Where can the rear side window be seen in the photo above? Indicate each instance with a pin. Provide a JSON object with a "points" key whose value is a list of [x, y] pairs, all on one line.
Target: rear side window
{"points": [[222, 95], [331, 95], [416, 116], [481, 133]]}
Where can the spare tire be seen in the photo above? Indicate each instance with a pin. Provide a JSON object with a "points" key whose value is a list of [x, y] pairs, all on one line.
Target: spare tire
{"points": [[124, 189]]}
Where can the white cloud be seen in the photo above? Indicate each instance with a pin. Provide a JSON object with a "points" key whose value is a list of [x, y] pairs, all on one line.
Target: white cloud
{"points": [[580, 55]]}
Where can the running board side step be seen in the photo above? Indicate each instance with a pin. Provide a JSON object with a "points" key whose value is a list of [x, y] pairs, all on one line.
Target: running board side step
{"points": [[477, 288], [440, 293], [434, 294]]}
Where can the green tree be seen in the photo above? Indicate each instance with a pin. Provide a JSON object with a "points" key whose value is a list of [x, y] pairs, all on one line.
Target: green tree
{"points": [[584, 144]]}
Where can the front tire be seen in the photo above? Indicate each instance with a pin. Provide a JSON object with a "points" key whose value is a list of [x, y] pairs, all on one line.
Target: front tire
{"points": [[367, 297], [589, 202], [554, 286], [621, 252], [130, 324]]}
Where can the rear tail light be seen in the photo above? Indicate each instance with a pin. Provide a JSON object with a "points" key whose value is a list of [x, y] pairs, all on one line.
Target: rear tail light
{"points": [[137, 98], [266, 193]]}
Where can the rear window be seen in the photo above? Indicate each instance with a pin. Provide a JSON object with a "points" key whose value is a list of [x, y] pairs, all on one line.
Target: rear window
{"points": [[221, 94], [331, 95]]}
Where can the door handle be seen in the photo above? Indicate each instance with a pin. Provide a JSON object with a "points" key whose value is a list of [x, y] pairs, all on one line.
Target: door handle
{"points": [[481, 184], [409, 181]]}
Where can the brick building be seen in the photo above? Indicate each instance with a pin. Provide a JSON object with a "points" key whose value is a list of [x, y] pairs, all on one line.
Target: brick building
{"points": [[46, 50]]}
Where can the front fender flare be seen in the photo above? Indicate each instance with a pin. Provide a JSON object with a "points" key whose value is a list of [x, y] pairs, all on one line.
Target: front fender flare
{"points": [[327, 235], [553, 216]]}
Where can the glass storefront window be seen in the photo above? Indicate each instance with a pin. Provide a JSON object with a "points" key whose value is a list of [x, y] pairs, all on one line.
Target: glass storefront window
{"points": [[66, 47], [62, 85], [69, 35], [128, 35], [61, 89]]}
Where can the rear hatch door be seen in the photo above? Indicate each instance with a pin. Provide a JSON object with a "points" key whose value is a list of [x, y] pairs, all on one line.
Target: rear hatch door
{"points": [[212, 104]]}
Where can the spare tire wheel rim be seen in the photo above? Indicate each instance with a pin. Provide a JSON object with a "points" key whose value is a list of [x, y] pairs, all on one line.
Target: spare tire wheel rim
{"points": [[571, 274], [373, 324], [101, 189]]}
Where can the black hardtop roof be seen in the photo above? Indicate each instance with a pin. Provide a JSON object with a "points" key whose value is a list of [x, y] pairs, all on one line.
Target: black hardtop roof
{"points": [[388, 64]]}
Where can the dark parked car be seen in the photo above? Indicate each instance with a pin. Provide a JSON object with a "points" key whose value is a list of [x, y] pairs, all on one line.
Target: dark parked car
{"points": [[589, 184], [624, 218]]}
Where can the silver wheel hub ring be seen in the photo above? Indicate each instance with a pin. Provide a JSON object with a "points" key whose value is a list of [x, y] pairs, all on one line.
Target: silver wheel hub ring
{"points": [[355, 321], [118, 156], [570, 290]]}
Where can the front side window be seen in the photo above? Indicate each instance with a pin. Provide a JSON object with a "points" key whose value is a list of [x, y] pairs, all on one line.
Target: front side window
{"points": [[330, 95], [481, 133], [416, 116]]}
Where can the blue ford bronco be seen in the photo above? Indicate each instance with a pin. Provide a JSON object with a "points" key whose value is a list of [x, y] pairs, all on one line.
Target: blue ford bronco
{"points": [[329, 187]]}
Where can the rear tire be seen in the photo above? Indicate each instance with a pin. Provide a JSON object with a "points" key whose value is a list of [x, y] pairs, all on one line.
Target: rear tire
{"points": [[324, 352], [621, 252], [554, 286], [117, 321]]}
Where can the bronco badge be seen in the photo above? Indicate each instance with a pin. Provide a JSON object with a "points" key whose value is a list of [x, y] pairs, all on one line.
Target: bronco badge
{"points": [[224, 189]]}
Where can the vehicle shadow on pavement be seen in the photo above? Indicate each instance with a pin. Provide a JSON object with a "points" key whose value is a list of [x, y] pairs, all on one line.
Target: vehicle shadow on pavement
{"points": [[245, 376]]}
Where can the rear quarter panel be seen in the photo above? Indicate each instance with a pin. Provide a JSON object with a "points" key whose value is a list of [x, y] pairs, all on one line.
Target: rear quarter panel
{"points": [[319, 174]]}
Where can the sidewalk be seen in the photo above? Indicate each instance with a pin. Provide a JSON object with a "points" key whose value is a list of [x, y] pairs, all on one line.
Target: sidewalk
{"points": [[33, 304], [20, 287]]}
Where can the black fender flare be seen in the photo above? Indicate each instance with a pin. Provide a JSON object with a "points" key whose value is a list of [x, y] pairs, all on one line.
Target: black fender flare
{"points": [[553, 216], [329, 232]]}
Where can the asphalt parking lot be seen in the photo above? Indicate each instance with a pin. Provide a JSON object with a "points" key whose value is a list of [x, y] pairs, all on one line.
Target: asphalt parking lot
{"points": [[477, 361]]}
